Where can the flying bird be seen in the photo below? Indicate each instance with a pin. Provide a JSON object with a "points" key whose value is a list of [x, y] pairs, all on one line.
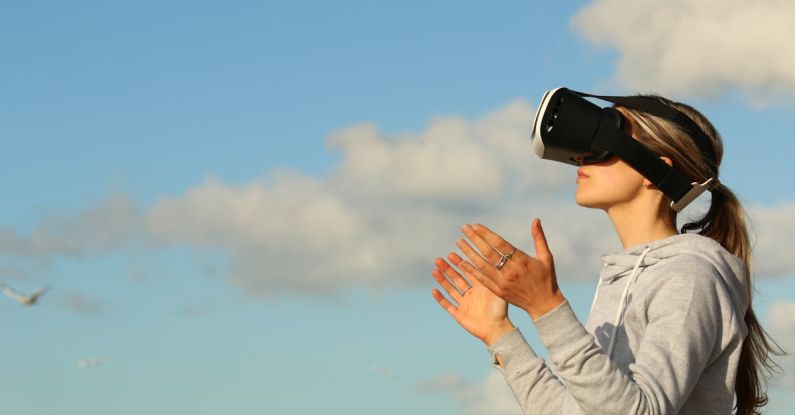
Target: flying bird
{"points": [[24, 299]]}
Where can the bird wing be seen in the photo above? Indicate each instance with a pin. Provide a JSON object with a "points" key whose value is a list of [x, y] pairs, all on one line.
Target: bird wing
{"points": [[13, 294], [38, 293]]}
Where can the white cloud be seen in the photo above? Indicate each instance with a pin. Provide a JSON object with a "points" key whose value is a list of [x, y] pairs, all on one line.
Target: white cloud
{"points": [[296, 235], [773, 228], [92, 362], [109, 224], [492, 396], [687, 48], [393, 204], [782, 329], [442, 383], [453, 159], [386, 372]]}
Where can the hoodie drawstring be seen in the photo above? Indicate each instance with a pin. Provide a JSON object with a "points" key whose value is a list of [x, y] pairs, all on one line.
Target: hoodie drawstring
{"points": [[622, 304]]}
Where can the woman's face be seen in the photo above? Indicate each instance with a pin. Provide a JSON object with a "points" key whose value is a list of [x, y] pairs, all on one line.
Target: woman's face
{"points": [[607, 183]]}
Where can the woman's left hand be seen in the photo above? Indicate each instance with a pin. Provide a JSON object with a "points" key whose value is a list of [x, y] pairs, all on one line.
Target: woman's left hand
{"points": [[525, 281]]}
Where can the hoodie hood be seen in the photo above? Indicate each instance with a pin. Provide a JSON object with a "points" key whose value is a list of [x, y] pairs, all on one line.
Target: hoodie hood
{"points": [[731, 268]]}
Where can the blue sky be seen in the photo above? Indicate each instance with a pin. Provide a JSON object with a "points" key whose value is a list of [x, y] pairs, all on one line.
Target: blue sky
{"points": [[234, 208]]}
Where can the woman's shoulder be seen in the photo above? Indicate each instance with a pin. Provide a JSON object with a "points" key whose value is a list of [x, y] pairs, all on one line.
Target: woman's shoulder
{"points": [[698, 255], [681, 271], [699, 271]]}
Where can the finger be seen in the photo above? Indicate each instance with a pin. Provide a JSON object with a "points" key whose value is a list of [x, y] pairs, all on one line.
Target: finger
{"points": [[474, 257], [493, 239], [540, 241], [452, 275], [445, 303], [474, 274], [487, 250], [456, 260], [482, 278], [451, 290]]}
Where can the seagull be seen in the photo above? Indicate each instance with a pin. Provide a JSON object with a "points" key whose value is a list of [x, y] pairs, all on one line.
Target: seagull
{"points": [[24, 299]]}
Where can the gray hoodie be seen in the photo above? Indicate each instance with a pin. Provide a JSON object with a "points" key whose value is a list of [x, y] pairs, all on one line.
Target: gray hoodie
{"points": [[663, 337]]}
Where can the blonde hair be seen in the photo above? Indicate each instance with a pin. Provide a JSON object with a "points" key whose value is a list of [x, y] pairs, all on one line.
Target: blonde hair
{"points": [[725, 223]]}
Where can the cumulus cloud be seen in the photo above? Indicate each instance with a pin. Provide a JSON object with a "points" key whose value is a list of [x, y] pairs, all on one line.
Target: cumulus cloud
{"points": [[92, 362], [386, 372], [492, 396], [773, 228], [782, 328], [393, 204], [700, 48], [109, 224]]}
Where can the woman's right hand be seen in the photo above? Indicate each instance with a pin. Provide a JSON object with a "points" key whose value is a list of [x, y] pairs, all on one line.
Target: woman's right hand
{"points": [[479, 311]]}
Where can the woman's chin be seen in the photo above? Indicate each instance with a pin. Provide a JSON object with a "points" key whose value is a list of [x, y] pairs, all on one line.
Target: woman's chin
{"points": [[581, 199], [584, 200]]}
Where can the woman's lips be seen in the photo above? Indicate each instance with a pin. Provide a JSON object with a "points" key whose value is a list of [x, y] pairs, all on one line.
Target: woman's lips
{"points": [[581, 175]]}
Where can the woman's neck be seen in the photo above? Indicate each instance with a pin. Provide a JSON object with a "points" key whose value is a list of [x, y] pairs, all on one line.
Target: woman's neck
{"points": [[638, 222]]}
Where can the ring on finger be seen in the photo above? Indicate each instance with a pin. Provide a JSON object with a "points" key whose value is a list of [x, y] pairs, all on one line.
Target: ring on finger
{"points": [[504, 258]]}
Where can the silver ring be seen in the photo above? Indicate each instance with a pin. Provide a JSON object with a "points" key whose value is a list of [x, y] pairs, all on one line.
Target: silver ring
{"points": [[504, 259], [465, 291]]}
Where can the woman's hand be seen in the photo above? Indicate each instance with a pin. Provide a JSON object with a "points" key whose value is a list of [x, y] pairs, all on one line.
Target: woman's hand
{"points": [[479, 311], [524, 281]]}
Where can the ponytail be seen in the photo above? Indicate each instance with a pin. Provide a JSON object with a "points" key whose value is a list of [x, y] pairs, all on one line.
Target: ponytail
{"points": [[725, 223]]}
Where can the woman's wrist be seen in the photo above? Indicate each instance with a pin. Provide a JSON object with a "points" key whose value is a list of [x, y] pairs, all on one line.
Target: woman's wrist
{"points": [[539, 309], [497, 332]]}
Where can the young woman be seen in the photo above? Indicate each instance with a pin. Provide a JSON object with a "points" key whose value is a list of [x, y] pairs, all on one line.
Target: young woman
{"points": [[671, 329]]}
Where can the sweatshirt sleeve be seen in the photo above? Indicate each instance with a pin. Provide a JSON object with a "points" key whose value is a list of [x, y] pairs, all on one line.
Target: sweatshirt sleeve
{"points": [[678, 343], [536, 388]]}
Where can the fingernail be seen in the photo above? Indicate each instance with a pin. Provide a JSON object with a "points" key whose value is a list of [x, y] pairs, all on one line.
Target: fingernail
{"points": [[467, 227], [459, 243]]}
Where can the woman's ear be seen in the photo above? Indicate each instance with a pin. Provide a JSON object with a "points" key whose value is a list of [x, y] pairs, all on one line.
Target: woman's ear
{"points": [[646, 182]]}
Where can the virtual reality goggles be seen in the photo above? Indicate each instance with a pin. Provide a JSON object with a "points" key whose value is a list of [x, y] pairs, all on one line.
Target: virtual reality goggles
{"points": [[570, 129]]}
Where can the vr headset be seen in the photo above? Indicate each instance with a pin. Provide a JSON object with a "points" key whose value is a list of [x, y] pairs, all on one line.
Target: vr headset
{"points": [[570, 129]]}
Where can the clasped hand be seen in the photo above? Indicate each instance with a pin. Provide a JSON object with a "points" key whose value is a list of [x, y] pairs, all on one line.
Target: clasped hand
{"points": [[479, 302]]}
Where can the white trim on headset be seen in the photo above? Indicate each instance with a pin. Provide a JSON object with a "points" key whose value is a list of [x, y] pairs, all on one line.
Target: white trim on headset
{"points": [[538, 142]]}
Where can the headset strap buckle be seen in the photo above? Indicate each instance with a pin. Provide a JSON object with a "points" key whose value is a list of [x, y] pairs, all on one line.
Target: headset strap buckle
{"points": [[692, 194]]}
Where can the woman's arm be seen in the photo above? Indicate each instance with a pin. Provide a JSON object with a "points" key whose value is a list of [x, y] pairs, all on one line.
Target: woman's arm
{"points": [[678, 343], [684, 315], [536, 388]]}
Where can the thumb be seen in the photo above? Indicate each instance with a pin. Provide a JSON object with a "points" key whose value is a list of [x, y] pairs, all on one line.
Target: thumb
{"points": [[540, 240]]}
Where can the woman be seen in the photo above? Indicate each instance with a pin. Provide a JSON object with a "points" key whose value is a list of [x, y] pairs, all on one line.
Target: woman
{"points": [[671, 329]]}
